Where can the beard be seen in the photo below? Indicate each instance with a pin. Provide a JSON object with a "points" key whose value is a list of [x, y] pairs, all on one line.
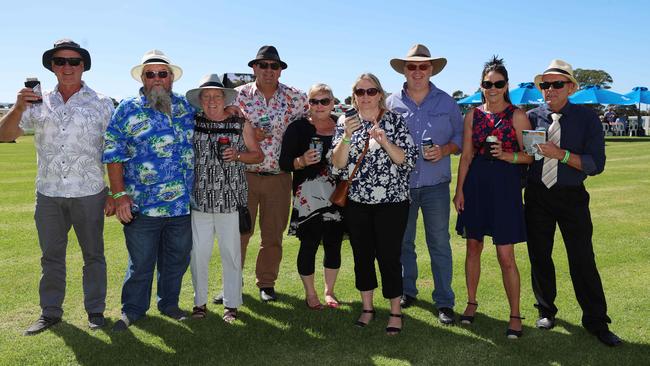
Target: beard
{"points": [[160, 99]]}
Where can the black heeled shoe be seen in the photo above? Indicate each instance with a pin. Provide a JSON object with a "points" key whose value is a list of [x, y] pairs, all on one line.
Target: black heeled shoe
{"points": [[395, 330], [515, 334], [468, 319], [361, 324]]}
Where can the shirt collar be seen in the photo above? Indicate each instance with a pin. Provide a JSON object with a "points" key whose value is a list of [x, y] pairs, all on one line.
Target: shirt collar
{"points": [[433, 90], [279, 90], [84, 91]]}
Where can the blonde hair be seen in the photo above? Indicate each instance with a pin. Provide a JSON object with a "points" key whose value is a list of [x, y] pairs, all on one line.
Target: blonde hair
{"points": [[320, 88], [372, 78]]}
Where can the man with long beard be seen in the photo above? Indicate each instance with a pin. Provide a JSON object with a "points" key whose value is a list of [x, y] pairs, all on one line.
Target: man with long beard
{"points": [[149, 155]]}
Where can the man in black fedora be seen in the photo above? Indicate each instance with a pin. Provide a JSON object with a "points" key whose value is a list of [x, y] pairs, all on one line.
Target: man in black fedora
{"points": [[556, 196], [69, 124], [270, 106]]}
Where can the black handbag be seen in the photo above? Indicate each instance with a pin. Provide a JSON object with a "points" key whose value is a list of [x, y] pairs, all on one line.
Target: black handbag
{"points": [[245, 222]]}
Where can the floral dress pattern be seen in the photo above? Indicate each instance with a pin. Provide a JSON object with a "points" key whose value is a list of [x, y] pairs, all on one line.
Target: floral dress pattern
{"points": [[378, 179], [494, 124], [156, 152]]}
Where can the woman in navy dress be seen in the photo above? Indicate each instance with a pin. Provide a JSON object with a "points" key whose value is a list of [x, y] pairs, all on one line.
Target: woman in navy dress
{"points": [[488, 191]]}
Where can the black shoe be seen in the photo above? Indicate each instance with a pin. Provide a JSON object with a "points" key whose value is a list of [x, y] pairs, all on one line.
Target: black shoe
{"points": [[545, 322], [96, 320], [407, 301], [218, 299], [122, 324], [608, 338], [469, 319], [395, 330], [515, 334], [446, 316], [175, 313], [41, 324], [268, 294], [361, 324]]}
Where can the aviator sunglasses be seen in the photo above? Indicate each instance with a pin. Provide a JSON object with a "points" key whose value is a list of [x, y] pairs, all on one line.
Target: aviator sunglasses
{"points": [[555, 84], [422, 67], [324, 101], [485, 84], [152, 74], [370, 91], [61, 61], [266, 65]]}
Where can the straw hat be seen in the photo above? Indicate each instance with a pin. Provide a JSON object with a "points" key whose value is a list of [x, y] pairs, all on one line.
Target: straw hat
{"points": [[155, 57], [558, 67]]}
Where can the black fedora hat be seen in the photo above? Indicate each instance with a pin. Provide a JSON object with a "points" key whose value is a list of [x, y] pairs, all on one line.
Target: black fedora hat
{"points": [[268, 53], [66, 44]]}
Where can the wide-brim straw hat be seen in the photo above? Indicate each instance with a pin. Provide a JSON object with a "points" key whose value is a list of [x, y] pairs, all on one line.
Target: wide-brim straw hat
{"points": [[210, 81], [419, 53], [155, 57], [558, 67], [66, 44]]}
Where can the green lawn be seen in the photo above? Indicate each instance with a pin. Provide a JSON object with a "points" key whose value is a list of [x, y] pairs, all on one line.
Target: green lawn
{"points": [[286, 332]]}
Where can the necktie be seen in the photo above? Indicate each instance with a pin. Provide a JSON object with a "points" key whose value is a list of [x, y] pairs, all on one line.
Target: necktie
{"points": [[549, 169]]}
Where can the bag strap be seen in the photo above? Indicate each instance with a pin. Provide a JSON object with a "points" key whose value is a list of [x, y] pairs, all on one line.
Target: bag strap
{"points": [[356, 166]]}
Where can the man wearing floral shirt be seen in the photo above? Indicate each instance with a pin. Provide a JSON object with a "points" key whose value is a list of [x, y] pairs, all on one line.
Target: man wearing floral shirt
{"points": [[69, 124], [149, 157], [270, 106]]}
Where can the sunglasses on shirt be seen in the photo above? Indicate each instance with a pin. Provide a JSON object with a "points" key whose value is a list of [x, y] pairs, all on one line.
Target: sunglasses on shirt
{"points": [[371, 92], [152, 74], [61, 61], [266, 65], [422, 67], [485, 84], [555, 84], [324, 101]]}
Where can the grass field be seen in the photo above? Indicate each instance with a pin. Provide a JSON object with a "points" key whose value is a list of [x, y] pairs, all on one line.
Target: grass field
{"points": [[286, 332]]}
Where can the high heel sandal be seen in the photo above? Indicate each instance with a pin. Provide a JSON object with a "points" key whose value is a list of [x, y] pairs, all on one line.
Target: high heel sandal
{"points": [[468, 319], [395, 330], [515, 334], [361, 324]]}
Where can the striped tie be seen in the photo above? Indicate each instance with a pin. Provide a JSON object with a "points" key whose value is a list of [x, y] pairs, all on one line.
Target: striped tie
{"points": [[549, 170]]}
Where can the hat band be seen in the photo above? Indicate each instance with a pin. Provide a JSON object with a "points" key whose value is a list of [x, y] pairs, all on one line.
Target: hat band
{"points": [[156, 60], [421, 55], [211, 83], [555, 69]]}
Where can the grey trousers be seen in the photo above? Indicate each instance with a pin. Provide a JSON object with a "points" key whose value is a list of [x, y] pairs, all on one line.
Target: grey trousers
{"points": [[54, 217]]}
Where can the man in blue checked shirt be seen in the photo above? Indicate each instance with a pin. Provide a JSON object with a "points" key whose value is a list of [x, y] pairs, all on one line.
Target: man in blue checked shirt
{"points": [[436, 125], [149, 155]]}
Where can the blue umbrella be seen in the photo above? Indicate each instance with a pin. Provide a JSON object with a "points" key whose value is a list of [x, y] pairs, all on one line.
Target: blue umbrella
{"points": [[639, 94], [526, 93], [594, 94], [472, 99]]}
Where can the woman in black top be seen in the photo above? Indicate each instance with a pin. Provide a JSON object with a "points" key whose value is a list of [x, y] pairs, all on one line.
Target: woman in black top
{"points": [[314, 218]]}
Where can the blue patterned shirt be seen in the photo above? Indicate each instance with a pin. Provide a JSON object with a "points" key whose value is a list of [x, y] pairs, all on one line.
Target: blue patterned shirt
{"points": [[156, 153]]}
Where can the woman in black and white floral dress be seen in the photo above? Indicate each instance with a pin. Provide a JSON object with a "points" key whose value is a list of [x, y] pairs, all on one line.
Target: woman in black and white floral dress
{"points": [[378, 201]]}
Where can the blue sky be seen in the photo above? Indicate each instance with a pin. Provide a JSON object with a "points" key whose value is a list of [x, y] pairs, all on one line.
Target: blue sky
{"points": [[327, 41]]}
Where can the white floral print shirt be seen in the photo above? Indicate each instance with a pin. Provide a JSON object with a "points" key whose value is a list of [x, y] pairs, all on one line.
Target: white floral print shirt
{"points": [[69, 139]]}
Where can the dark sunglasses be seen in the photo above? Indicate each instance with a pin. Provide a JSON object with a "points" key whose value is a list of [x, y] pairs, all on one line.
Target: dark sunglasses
{"points": [[266, 65], [61, 61], [555, 84], [497, 84], [324, 101], [152, 74], [422, 67], [370, 91]]}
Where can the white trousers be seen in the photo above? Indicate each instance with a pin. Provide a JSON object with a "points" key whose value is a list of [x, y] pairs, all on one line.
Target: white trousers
{"points": [[226, 228]]}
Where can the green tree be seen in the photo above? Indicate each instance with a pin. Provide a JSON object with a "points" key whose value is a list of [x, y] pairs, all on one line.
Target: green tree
{"points": [[593, 77]]}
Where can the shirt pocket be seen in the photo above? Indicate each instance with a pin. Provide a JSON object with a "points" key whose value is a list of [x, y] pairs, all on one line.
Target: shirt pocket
{"points": [[440, 126]]}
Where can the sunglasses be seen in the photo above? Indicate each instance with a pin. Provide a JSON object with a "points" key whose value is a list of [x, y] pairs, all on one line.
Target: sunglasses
{"points": [[61, 61], [370, 91], [152, 74], [555, 84], [497, 84], [266, 65], [324, 101], [422, 67]]}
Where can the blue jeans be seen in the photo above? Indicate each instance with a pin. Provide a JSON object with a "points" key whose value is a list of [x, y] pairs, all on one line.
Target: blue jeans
{"points": [[162, 241], [434, 202]]}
